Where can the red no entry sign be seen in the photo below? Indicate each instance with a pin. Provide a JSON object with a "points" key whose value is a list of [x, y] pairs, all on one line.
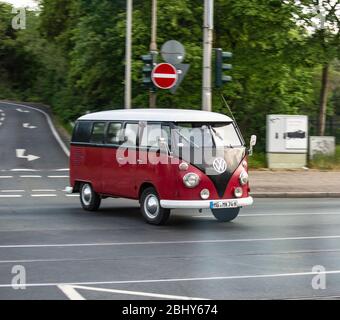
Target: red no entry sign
{"points": [[164, 76]]}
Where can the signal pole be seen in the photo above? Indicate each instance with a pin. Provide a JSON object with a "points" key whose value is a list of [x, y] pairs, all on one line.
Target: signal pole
{"points": [[208, 28], [128, 50], [153, 48]]}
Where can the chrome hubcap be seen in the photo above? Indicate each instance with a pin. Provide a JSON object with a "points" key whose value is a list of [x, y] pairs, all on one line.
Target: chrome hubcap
{"points": [[87, 194], [151, 206]]}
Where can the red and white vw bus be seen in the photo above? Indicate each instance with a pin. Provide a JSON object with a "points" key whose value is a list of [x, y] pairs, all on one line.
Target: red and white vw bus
{"points": [[165, 158]]}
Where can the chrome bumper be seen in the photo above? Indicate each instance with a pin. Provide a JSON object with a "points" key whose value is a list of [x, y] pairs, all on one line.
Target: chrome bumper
{"points": [[201, 204]]}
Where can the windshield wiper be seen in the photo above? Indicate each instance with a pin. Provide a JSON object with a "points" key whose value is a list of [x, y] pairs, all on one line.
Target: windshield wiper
{"points": [[220, 137], [186, 139], [216, 133]]}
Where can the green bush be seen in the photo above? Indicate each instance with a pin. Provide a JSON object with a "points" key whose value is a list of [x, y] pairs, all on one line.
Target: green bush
{"points": [[257, 160], [324, 162]]}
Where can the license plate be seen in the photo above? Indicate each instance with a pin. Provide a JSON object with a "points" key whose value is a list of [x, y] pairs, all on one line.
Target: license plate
{"points": [[223, 204]]}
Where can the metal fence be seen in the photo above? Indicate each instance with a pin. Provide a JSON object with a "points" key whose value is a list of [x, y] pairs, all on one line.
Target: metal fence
{"points": [[332, 127]]}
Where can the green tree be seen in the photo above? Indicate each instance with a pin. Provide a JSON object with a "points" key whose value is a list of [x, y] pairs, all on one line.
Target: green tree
{"points": [[322, 20], [270, 74], [72, 54], [17, 65]]}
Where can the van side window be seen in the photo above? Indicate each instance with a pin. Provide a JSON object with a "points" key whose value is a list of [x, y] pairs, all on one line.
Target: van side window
{"points": [[130, 134], [82, 132], [114, 133], [166, 133], [98, 132], [151, 133]]}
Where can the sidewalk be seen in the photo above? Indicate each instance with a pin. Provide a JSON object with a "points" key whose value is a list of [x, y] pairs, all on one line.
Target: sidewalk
{"points": [[295, 184]]}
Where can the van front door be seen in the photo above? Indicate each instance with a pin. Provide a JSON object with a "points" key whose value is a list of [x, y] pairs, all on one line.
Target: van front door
{"points": [[125, 159], [154, 167]]}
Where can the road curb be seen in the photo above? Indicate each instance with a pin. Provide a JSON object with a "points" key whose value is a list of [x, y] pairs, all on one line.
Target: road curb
{"points": [[295, 194]]}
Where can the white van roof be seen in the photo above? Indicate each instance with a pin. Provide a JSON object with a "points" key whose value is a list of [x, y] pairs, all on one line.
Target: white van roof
{"points": [[171, 115]]}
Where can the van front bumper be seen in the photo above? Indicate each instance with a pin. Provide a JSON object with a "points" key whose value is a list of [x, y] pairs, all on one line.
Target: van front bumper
{"points": [[202, 204]]}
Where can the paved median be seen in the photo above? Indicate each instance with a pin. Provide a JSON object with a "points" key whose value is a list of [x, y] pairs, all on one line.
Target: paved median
{"points": [[295, 184]]}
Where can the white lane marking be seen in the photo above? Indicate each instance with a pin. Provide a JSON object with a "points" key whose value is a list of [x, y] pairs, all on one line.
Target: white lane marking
{"points": [[2, 114], [275, 214], [44, 190], [74, 295], [288, 192], [0, 123], [23, 170], [43, 195], [72, 195], [50, 123], [6, 177], [12, 191], [102, 244], [20, 154], [11, 196], [2, 119], [30, 176], [28, 126], [251, 276], [307, 251], [55, 177], [35, 170], [20, 110], [70, 292]]}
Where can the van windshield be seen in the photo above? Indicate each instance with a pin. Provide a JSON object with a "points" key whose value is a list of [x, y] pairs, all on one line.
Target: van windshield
{"points": [[208, 135]]}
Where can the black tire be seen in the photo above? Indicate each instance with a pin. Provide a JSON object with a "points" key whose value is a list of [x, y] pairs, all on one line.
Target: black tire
{"points": [[151, 209], [89, 199], [225, 215]]}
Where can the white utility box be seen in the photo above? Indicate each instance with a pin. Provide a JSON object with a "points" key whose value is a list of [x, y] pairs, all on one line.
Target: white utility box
{"points": [[287, 141]]}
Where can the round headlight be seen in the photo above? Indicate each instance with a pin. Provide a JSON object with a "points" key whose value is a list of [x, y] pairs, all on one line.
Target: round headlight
{"points": [[205, 194], [238, 192], [191, 180], [244, 178]]}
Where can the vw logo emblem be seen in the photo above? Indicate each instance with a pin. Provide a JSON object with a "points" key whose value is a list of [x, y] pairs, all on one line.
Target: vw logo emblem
{"points": [[220, 165]]}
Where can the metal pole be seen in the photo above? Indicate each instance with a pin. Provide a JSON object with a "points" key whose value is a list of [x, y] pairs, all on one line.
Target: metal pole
{"points": [[129, 9], [153, 48], [207, 54]]}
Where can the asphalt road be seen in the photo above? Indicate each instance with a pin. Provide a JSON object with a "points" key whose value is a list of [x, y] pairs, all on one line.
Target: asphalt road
{"points": [[66, 253]]}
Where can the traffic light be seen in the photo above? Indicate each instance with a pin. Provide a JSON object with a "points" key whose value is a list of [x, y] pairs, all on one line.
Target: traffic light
{"points": [[147, 70], [221, 66]]}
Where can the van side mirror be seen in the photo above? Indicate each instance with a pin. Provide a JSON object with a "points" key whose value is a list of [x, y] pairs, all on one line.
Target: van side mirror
{"points": [[253, 140], [252, 144]]}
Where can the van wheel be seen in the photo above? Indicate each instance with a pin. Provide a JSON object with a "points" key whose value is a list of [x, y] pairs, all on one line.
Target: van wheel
{"points": [[225, 215], [151, 208], [89, 199]]}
